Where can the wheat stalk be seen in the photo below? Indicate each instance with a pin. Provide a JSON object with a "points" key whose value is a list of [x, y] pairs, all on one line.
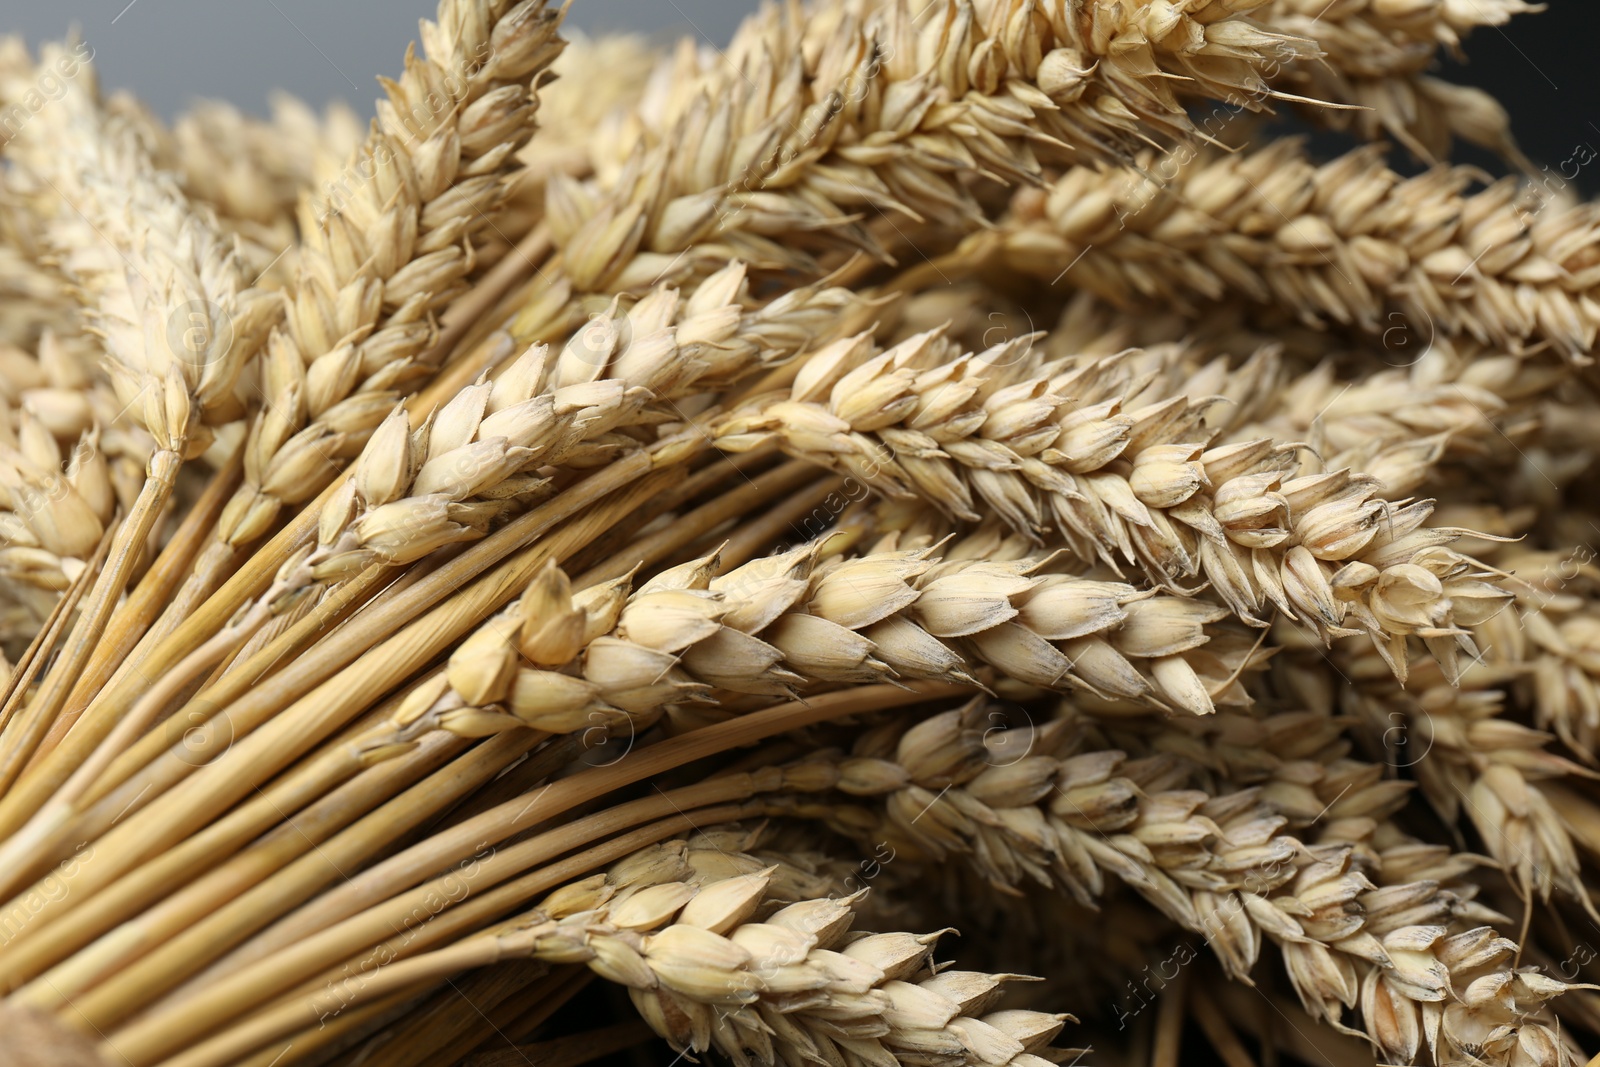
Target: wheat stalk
{"points": [[368, 904]]}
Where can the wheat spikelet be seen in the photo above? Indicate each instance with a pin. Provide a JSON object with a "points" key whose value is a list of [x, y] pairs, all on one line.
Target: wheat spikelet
{"points": [[57, 507]]}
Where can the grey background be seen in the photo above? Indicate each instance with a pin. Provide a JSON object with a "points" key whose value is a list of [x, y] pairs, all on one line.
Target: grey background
{"points": [[171, 51]]}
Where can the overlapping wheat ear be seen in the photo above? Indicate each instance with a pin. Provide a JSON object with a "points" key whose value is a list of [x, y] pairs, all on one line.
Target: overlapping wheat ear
{"points": [[253, 172], [1471, 757], [749, 954], [811, 125], [488, 455], [480, 563], [389, 246], [1150, 485], [387, 243], [1407, 955], [169, 302], [69, 459]]}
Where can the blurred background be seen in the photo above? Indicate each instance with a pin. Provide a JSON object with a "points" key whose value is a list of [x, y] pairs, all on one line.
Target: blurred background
{"points": [[172, 51]]}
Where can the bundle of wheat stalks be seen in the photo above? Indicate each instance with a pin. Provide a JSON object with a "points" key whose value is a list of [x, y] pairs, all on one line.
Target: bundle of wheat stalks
{"points": [[641, 556]]}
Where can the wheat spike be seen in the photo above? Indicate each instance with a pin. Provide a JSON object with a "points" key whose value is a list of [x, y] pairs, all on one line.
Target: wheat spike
{"points": [[1150, 485], [710, 964], [253, 172], [387, 246], [1349, 241], [1473, 760], [494, 446], [165, 291], [806, 123], [1427, 983], [559, 661], [1376, 56]]}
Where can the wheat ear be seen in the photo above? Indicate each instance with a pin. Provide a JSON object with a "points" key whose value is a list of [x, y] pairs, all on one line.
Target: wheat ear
{"points": [[1151, 485], [807, 123], [1349, 241], [1408, 958], [389, 246]]}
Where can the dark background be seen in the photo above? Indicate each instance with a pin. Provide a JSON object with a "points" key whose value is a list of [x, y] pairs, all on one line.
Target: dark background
{"points": [[1542, 67]]}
